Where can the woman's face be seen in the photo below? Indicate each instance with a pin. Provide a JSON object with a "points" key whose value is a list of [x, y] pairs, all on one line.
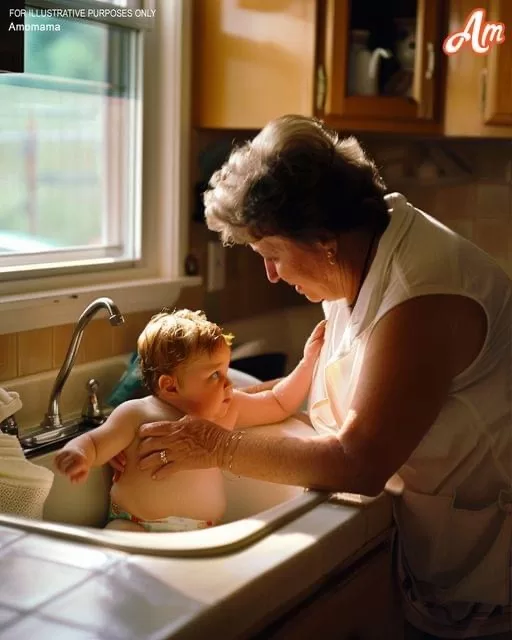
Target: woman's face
{"points": [[303, 267]]}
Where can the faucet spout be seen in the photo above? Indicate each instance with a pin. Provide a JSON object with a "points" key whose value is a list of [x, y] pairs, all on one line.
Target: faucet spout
{"points": [[53, 419]]}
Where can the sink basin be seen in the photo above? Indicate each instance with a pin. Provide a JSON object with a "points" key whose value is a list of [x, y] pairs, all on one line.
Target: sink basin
{"points": [[255, 508]]}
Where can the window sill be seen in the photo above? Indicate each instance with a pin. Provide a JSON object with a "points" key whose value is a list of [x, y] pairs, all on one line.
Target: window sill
{"points": [[53, 308]]}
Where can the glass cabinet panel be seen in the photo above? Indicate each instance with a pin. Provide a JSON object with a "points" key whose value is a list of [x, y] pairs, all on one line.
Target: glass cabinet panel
{"points": [[379, 62], [381, 47]]}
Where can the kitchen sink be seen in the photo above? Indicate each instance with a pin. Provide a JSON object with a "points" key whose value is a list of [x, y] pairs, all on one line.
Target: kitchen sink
{"points": [[255, 508]]}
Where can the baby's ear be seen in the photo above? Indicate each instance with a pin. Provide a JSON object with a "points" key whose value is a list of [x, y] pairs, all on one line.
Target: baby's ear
{"points": [[167, 384]]}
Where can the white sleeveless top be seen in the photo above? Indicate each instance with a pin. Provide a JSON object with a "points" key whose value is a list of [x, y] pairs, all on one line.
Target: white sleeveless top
{"points": [[454, 508]]}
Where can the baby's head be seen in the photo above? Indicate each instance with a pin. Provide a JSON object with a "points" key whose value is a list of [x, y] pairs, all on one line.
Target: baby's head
{"points": [[184, 360]]}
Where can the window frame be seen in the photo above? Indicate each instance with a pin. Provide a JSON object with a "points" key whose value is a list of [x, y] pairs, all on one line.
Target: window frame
{"points": [[158, 278]]}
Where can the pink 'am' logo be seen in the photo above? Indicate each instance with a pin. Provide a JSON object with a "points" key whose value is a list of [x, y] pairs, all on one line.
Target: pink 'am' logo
{"points": [[477, 33]]}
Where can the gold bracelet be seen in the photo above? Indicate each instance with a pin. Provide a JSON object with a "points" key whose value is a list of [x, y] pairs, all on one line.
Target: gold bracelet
{"points": [[235, 438]]}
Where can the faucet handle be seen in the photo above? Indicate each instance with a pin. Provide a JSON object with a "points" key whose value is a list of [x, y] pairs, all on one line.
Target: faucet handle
{"points": [[92, 409], [92, 385]]}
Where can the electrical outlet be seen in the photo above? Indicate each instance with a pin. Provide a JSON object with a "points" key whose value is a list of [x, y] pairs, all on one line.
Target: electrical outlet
{"points": [[216, 267]]}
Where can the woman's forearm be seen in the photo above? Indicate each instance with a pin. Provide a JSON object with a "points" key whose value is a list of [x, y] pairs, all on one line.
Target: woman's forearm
{"points": [[313, 462], [317, 462]]}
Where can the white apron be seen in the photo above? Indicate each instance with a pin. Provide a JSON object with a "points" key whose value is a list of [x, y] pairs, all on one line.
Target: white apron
{"points": [[454, 510]]}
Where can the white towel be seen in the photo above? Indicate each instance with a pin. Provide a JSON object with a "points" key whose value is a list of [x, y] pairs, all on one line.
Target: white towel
{"points": [[24, 486], [9, 403]]}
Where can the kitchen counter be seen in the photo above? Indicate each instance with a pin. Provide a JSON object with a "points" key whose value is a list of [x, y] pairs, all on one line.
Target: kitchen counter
{"points": [[53, 588]]}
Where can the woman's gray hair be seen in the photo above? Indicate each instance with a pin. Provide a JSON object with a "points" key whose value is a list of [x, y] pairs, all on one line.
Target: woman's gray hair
{"points": [[296, 179]]}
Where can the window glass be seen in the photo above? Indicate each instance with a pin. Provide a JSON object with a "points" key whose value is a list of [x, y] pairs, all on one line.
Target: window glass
{"points": [[69, 153]]}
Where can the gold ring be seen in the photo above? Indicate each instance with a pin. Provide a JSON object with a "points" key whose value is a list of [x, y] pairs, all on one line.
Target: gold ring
{"points": [[163, 457]]}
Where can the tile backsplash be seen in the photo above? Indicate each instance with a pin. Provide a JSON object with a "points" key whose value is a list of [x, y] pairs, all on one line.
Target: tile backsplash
{"points": [[31, 352], [466, 184]]}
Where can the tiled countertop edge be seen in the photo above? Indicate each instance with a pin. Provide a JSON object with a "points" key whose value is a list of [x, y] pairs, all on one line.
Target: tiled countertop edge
{"points": [[350, 533], [229, 596]]}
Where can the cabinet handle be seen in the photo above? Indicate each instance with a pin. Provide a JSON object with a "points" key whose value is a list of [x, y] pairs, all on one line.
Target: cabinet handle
{"points": [[321, 87], [483, 90], [431, 61]]}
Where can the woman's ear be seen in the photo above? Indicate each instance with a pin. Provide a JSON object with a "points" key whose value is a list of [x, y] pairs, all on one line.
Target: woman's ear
{"points": [[328, 249], [327, 245], [168, 385]]}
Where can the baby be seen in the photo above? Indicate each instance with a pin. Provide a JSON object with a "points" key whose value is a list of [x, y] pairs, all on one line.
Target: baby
{"points": [[184, 363]]}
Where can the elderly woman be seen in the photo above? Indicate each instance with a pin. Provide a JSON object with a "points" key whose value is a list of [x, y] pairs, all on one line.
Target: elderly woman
{"points": [[413, 383]]}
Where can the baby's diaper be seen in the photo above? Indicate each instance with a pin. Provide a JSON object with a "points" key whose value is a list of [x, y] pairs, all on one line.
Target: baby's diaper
{"points": [[172, 523]]}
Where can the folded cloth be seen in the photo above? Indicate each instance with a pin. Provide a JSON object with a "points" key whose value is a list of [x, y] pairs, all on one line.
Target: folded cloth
{"points": [[24, 486], [9, 403]]}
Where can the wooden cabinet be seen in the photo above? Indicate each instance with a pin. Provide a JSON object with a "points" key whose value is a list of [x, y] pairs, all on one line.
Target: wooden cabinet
{"points": [[382, 64], [358, 64], [479, 86], [254, 60], [498, 84], [361, 605]]}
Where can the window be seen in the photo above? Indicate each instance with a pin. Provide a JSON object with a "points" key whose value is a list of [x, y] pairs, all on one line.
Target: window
{"points": [[69, 147], [82, 209]]}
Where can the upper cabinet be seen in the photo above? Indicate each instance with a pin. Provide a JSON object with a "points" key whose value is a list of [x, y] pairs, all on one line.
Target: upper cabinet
{"points": [[358, 64], [253, 60], [479, 84], [497, 99], [379, 64]]}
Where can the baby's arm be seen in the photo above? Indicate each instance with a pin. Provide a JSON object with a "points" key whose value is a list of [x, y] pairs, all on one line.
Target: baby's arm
{"points": [[287, 396], [99, 445]]}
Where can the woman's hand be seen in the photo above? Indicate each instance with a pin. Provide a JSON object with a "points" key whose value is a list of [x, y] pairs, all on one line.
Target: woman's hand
{"points": [[189, 443], [315, 341]]}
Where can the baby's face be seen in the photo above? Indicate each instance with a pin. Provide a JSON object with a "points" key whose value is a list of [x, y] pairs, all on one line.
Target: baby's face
{"points": [[204, 386]]}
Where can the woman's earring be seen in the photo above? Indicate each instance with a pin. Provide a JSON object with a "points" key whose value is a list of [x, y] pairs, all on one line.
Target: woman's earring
{"points": [[331, 256]]}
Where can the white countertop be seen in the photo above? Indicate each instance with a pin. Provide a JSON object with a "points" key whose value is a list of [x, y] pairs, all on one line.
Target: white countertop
{"points": [[51, 586]]}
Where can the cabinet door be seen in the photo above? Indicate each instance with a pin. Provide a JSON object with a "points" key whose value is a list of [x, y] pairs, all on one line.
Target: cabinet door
{"points": [[381, 63], [479, 86], [498, 72], [361, 606], [254, 60]]}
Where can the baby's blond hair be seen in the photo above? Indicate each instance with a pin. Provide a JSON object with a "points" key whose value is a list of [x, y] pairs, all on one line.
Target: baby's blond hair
{"points": [[171, 338]]}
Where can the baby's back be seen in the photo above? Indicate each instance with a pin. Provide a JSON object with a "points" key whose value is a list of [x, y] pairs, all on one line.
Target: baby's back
{"points": [[188, 494]]}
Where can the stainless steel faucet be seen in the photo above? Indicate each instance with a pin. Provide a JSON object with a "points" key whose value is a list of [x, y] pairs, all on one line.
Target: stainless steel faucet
{"points": [[52, 418]]}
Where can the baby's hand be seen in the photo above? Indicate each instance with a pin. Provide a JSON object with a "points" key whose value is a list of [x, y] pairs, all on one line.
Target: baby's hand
{"points": [[73, 464], [315, 341]]}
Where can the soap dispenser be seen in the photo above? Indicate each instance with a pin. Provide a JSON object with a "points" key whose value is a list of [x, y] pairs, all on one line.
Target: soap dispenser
{"points": [[10, 403]]}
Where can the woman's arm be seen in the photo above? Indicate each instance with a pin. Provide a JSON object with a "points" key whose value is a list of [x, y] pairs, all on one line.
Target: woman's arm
{"points": [[411, 358]]}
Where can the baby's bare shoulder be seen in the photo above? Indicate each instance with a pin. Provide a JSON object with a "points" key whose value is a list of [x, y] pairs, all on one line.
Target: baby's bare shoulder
{"points": [[131, 410], [142, 410], [153, 410]]}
